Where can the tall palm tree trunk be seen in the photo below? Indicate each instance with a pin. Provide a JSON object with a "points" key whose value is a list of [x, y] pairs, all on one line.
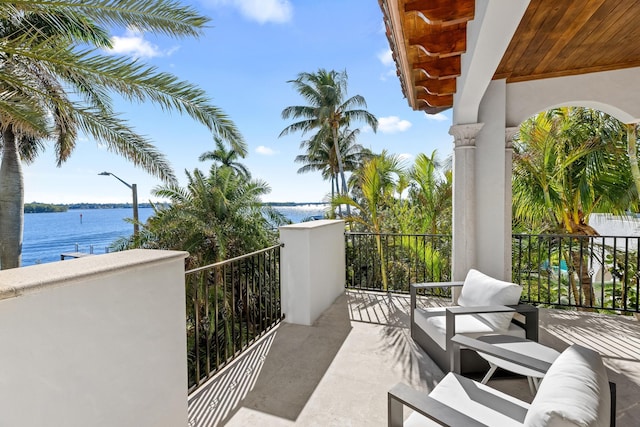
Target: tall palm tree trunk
{"points": [[383, 264], [334, 190], [568, 256], [582, 270], [340, 165], [632, 151], [11, 202]]}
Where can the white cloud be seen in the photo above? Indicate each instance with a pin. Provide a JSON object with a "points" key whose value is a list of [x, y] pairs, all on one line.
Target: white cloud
{"points": [[265, 151], [392, 124], [390, 73], [278, 11], [405, 157], [437, 117], [386, 57], [134, 44]]}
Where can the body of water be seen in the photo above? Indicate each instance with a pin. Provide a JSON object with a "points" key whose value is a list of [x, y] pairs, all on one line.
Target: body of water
{"points": [[48, 235]]}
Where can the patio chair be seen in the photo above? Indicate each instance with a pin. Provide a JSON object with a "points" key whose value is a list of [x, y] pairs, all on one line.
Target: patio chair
{"points": [[486, 307], [574, 392]]}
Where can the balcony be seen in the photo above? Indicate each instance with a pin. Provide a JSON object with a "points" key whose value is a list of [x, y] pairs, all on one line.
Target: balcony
{"points": [[337, 372], [101, 341]]}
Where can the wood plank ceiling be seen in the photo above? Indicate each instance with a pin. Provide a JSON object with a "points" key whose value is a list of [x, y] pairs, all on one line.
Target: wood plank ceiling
{"points": [[555, 38]]}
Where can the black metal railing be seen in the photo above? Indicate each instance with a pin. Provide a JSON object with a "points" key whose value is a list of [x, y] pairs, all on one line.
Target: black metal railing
{"points": [[556, 270], [390, 262], [230, 304], [594, 272]]}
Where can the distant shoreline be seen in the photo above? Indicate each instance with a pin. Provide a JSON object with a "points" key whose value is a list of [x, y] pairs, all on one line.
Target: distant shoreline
{"points": [[36, 207]]}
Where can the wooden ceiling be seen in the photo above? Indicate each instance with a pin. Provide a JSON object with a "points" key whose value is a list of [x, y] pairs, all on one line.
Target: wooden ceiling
{"points": [[555, 38], [561, 38]]}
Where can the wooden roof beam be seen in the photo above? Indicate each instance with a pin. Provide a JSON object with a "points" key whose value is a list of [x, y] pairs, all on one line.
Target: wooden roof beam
{"points": [[438, 101], [442, 43], [440, 68], [442, 12], [437, 87]]}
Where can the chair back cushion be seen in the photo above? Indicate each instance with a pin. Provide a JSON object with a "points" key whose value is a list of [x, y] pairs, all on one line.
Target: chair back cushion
{"points": [[574, 392], [482, 290]]}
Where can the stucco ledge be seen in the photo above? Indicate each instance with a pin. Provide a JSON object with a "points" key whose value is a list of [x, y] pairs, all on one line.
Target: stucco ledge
{"points": [[16, 282]]}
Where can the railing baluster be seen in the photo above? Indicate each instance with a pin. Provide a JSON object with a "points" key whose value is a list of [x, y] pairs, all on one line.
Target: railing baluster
{"points": [[196, 327], [615, 268], [261, 278], [207, 319], [216, 313]]}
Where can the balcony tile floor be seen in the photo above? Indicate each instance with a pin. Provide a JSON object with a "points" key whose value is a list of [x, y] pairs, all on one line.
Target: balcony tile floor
{"points": [[337, 372]]}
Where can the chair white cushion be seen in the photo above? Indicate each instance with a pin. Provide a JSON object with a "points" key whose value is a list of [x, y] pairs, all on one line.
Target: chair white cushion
{"points": [[433, 322], [574, 392], [475, 400], [482, 290]]}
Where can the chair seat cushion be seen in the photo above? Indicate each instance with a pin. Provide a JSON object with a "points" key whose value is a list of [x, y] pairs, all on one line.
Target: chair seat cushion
{"points": [[482, 290], [574, 392], [433, 322], [475, 400]]}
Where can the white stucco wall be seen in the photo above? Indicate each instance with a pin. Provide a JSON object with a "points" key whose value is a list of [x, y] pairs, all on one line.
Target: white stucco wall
{"points": [[614, 92], [97, 341], [312, 268]]}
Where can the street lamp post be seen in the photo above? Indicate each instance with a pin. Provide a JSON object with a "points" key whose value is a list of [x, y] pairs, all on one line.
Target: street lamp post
{"points": [[134, 191]]}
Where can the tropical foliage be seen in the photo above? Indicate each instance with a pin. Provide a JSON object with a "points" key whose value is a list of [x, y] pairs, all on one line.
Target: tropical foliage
{"points": [[569, 163], [329, 113], [57, 84], [320, 156], [398, 206], [226, 157], [218, 215]]}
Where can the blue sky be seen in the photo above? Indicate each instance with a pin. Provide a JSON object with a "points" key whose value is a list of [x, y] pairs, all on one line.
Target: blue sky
{"points": [[244, 60]]}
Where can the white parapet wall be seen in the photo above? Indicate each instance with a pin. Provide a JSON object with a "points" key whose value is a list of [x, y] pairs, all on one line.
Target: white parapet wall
{"points": [[98, 341], [312, 268]]}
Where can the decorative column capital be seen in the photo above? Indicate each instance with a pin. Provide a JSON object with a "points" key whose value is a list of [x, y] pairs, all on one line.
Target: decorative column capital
{"points": [[465, 135], [509, 134]]}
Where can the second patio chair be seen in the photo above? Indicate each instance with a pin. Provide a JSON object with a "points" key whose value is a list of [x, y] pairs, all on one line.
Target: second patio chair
{"points": [[486, 307]]}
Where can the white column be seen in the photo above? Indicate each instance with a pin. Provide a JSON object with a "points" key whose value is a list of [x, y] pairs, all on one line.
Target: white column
{"points": [[464, 198], [491, 199], [509, 134], [312, 269]]}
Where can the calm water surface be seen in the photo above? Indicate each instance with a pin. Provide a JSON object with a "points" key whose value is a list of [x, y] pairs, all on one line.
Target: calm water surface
{"points": [[47, 235]]}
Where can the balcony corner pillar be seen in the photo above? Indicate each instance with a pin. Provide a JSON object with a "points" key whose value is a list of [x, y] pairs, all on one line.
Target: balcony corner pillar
{"points": [[312, 268]]}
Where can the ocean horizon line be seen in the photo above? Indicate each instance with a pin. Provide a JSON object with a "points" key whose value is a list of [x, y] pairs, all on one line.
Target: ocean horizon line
{"points": [[97, 205]]}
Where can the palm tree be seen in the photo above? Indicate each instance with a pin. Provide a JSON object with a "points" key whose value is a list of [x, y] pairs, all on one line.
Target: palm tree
{"points": [[431, 195], [50, 50], [376, 181], [567, 165], [328, 111], [225, 157], [216, 216], [320, 155], [632, 152]]}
